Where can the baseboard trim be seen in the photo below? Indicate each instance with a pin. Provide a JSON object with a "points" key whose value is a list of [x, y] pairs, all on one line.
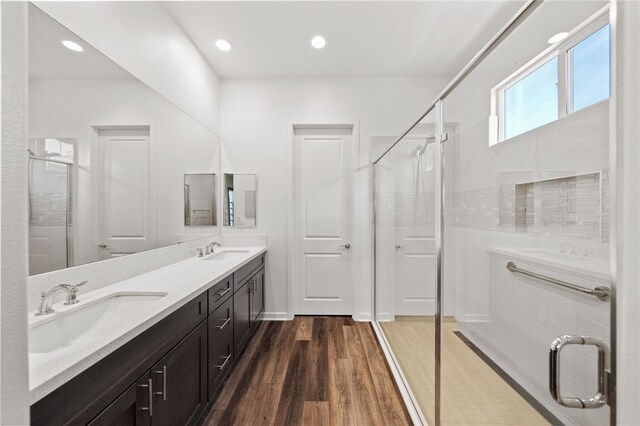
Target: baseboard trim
{"points": [[276, 316]]}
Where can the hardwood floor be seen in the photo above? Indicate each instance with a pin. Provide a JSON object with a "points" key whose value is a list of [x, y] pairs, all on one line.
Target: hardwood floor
{"points": [[311, 371]]}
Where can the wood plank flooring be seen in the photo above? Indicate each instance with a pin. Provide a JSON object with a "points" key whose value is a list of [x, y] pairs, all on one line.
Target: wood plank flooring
{"points": [[312, 371]]}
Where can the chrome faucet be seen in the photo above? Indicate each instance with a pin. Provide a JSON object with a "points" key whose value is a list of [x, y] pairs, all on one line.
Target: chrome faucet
{"points": [[211, 247], [46, 307]]}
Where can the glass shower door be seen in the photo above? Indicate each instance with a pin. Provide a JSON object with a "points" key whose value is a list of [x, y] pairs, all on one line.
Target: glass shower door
{"points": [[406, 260], [527, 229]]}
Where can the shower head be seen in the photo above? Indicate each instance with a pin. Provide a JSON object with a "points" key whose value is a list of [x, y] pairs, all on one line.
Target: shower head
{"points": [[422, 148]]}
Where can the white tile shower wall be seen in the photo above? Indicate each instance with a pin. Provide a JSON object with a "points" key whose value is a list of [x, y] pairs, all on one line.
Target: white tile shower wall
{"points": [[524, 316], [569, 207], [572, 207]]}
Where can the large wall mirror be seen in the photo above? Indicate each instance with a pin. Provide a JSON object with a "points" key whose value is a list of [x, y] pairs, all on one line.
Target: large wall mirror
{"points": [[240, 198], [107, 156]]}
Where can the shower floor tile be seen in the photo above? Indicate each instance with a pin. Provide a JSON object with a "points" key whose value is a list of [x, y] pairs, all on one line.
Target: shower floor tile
{"points": [[472, 392]]}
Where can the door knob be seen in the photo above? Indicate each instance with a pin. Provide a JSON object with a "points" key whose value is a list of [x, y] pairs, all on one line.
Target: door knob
{"points": [[346, 246], [398, 246], [103, 245]]}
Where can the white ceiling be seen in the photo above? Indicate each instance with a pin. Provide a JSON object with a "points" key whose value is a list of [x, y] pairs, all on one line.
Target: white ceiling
{"points": [[50, 60], [364, 39]]}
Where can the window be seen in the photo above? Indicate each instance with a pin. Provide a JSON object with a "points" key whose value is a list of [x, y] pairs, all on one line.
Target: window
{"points": [[532, 101], [591, 66], [567, 77]]}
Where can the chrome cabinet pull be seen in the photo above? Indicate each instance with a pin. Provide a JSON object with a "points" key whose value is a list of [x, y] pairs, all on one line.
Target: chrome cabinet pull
{"points": [[226, 359], [600, 397], [223, 324], [222, 293], [164, 383], [149, 387]]}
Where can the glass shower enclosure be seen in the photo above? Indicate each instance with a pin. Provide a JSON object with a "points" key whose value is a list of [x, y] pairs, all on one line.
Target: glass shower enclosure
{"points": [[50, 182], [493, 290]]}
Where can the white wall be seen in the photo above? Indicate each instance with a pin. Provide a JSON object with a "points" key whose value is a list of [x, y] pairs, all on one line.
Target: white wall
{"points": [[628, 217], [256, 116], [14, 396], [69, 109], [146, 41]]}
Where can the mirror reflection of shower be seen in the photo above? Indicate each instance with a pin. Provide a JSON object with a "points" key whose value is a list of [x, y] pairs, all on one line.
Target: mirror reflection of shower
{"points": [[50, 183], [423, 163]]}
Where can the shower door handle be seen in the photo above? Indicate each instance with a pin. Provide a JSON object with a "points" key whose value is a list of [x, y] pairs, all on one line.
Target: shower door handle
{"points": [[600, 397]]}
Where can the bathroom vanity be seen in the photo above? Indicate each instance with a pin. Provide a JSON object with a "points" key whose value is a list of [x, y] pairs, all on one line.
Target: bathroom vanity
{"points": [[177, 351]]}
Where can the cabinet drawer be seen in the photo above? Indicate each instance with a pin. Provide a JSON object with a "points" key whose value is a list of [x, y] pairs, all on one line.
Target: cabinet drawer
{"points": [[221, 322], [220, 292], [220, 363], [241, 274]]}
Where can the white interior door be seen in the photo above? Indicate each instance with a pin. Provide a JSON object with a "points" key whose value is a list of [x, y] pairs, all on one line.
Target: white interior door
{"points": [[125, 212], [323, 210], [415, 228]]}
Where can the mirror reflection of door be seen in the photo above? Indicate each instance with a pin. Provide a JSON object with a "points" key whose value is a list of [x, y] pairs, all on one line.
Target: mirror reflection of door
{"points": [[124, 192], [200, 200], [240, 200]]}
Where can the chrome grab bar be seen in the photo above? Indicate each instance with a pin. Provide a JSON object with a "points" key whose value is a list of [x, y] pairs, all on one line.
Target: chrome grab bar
{"points": [[601, 292], [597, 400]]}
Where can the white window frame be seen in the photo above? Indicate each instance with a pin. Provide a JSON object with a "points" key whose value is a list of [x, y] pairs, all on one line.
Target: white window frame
{"points": [[561, 51]]}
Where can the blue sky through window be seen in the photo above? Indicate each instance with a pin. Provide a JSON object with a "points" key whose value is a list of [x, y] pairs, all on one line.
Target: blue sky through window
{"points": [[532, 101], [592, 69]]}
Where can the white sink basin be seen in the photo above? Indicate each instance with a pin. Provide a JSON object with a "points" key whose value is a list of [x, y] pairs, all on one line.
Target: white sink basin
{"points": [[86, 320], [226, 255]]}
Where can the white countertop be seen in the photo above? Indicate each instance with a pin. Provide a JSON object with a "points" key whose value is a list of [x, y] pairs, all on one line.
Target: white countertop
{"points": [[587, 266], [181, 281]]}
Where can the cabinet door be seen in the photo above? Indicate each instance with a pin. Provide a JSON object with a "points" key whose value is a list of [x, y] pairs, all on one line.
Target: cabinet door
{"points": [[257, 296], [180, 381], [242, 318], [131, 408]]}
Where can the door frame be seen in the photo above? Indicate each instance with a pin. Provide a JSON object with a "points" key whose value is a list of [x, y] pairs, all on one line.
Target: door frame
{"points": [[354, 125], [96, 180]]}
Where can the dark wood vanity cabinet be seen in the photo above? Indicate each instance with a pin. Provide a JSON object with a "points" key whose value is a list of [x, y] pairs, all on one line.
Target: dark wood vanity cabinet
{"points": [[176, 387], [131, 408], [180, 381], [242, 317], [248, 305], [171, 373], [257, 296]]}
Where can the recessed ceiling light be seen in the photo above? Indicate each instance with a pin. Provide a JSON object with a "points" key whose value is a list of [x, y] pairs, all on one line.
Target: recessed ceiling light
{"points": [[318, 42], [558, 37], [72, 45], [223, 45]]}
